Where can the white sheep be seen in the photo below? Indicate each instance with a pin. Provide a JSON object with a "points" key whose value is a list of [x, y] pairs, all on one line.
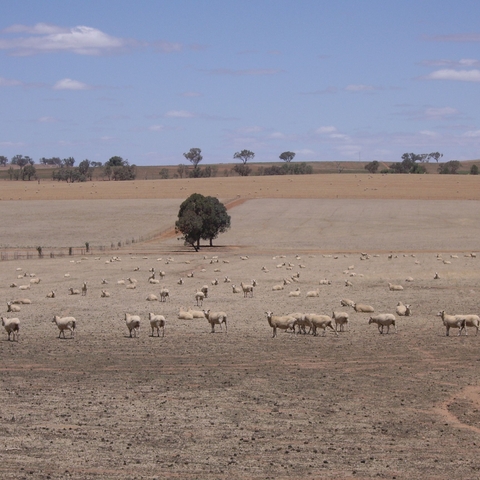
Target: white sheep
{"points": [[35, 281], [51, 294], [12, 308], [403, 310], [394, 288], [74, 291], [65, 323], [346, 302], [199, 296], [204, 290], [237, 289], [104, 294], [133, 324], [320, 321], [196, 313], [294, 293], [24, 287], [341, 319], [84, 289], [216, 318], [302, 322], [131, 286], [470, 321], [227, 280], [157, 322], [22, 301], [451, 321], [184, 315], [313, 293], [348, 283], [12, 327], [325, 282], [247, 290], [151, 298], [284, 322], [361, 308], [214, 281], [383, 320], [164, 294], [277, 288], [180, 281]]}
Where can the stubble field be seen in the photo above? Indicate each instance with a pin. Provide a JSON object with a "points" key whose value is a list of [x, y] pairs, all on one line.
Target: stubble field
{"points": [[241, 404]]}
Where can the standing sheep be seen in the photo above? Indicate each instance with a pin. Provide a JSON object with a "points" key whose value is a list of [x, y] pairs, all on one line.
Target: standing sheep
{"points": [[340, 318], [451, 321], [320, 321], [157, 322], [65, 323], [199, 296], [84, 289], [383, 320], [133, 324], [285, 322], [216, 318], [12, 327], [247, 289], [470, 321], [164, 293]]}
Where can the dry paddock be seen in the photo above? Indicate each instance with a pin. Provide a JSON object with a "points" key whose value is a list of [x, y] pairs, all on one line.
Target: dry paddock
{"points": [[244, 405]]}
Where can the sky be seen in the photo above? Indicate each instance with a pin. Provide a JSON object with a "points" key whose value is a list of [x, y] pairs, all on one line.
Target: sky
{"points": [[329, 80]]}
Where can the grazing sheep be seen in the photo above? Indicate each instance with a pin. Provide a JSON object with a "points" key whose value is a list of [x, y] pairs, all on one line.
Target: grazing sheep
{"points": [[22, 301], [104, 294], [383, 320], [164, 293], [284, 322], [216, 318], [394, 288], [403, 310], [340, 318], [237, 289], [302, 322], [74, 291], [133, 324], [294, 293], [84, 289], [12, 327], [346, 302], [470, 321], [313, 293], [451, 321], [12, 308], [204, 290], [157, 322], [184, 315], [360, 308], [320, 321], [65, 323], [199, 296], [51, 294], [247, 289]]}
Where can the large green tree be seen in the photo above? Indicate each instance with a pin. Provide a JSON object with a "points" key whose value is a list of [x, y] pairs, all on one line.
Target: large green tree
{"points": [[287, 156], [194, 156], [201, 218]]}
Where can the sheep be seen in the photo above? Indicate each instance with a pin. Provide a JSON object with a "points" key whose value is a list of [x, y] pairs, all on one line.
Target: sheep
{"points": [[104, 281], [51, 294], [74, 291], [247, 289], [409, 279], [180, 281], [470, 321], [184, 315], [294, 293], [35, 281], [214, 281], [383, 320], [394, 288], [133, 324], [237, 289], [157, 322], [325, 282], [22, 301], [452, 321], [12, 308], [164, 293], [65, 323], [104, 294], [132, 280], [346, 302], [277, 288], [320, 321], [341, 319], [302, 322], [190, 275], [436, 276], [121, 282], [348, 283], [199, 296], [403, 310], [204, 290], [284, 322], [12, 327], [313, 293], [84, 289], [254, 283], [360, 308], [24, 287], [196, 313], [216, 318], [226, 280], [13, 285]]}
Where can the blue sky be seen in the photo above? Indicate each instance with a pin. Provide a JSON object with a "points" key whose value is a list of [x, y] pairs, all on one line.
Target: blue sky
{"points": [[328, 80]]}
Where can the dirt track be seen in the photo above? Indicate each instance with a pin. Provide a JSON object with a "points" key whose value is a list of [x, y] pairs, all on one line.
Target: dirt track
{"points": [[244, 405]]}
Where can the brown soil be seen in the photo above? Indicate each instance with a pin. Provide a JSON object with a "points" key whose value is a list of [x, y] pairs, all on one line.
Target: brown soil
{"points": [[244, 405]]}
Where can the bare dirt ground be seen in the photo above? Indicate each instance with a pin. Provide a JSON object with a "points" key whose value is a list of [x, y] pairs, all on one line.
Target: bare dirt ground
{"points": [[243, 405]]}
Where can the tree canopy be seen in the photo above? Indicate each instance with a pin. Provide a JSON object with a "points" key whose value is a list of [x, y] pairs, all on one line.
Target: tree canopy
{"points": [[287, 156], [194, 156], [201, 218]]}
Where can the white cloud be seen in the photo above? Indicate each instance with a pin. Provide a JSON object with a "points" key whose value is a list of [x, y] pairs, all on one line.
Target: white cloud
{"points": [[441, 112], [47, 120], [251, 71], [325, 130], [461, 37], [179, 114], [457, 75], [7, 82], [167, 47], [429, 133], [359, 88], [157, 128], [44, 38], [463, 62], [305, 151], [472, 133], [69, 84], [277, 135]]}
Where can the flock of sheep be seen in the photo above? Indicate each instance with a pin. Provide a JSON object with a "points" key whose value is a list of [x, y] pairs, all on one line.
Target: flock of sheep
{"points": [[296, 322]]}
